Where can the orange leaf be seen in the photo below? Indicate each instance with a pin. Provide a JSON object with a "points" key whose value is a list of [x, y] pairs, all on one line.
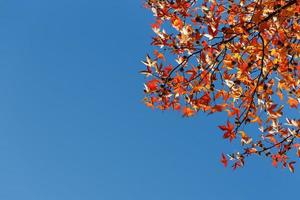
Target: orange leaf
{"points": [[271, 138], [187, 112], [177, 23], [159, 55], [280, 95], [257, 119], [293, 102], [149, 104]]}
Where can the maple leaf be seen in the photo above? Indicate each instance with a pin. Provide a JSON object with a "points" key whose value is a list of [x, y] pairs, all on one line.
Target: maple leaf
{"points": [[176, 106], [177, 22], [293, 102], [229, 131], [237, 165], [233, 111], [271, 138], [187, 112], [149, 62], [245, 138], [224, 160], [151, 86], [157, 24], [257, 119], [251, 150], [274, 160], [159, 55]]}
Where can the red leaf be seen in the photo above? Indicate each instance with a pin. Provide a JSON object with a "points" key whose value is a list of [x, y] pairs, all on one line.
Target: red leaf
{"points": [[229, 131], [152, 85], [224, 160]]}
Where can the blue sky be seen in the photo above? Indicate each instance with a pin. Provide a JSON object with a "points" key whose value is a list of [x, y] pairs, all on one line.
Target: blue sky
{"points": [[72, 122]]}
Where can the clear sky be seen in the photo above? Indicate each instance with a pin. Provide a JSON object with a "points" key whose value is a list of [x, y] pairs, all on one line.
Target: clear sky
{"points": [[73, 126]]}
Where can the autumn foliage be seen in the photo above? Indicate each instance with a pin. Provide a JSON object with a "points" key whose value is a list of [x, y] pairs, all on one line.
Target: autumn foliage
{"points": [[240, 57]]}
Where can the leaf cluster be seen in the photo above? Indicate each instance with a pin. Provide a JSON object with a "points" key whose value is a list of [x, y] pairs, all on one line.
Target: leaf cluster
{"points": [[239, 57]]}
